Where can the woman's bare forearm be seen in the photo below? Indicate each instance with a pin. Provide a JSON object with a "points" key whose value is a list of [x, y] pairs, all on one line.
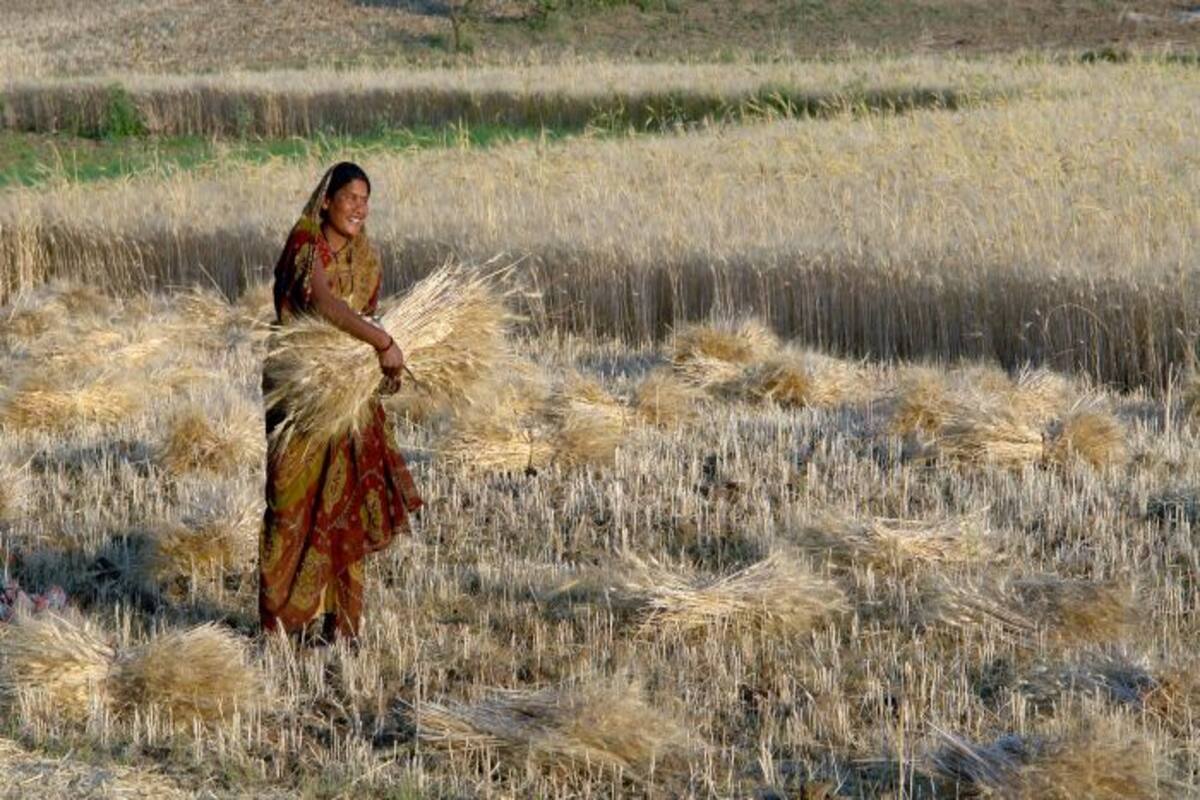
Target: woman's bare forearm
{"points": [[342, 316]]}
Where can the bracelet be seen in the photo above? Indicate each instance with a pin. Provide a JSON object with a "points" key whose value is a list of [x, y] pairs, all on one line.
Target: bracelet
{"points": [[391, 342]]}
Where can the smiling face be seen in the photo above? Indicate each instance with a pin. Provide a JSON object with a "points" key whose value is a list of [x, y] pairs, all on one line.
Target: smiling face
{"points": [[346, 210]]}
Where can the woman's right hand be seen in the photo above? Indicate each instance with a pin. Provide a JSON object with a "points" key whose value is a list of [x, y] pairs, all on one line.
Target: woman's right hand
{"points": [[391, 361]]}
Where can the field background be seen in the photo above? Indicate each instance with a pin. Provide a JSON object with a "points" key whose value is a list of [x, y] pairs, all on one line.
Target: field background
{"points": [[847, 446]]}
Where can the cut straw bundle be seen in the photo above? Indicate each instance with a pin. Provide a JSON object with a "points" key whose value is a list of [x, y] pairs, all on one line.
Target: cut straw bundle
{"points": [[664, 400], [526, 424], [798, 379], [1093, 436], [210, 541], [729, 341], [200, 673], [1097, 762], [15, 492], [451, 326], [570, 729], [989, 436], [1076, 611], [778, 593], [897, 544], [104, 401], [1191, 399], [60, 663], [1064, 610], [196, 439]]}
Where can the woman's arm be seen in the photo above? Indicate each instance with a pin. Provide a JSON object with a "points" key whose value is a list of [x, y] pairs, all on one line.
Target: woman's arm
{"points": [[334, 309]]}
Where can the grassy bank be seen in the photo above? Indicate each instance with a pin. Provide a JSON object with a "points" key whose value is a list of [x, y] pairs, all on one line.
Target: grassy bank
{"points": [[30, 159]]}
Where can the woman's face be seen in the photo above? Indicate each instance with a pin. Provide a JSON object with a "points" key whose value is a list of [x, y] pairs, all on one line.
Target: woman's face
{"points": [[346, 211]]}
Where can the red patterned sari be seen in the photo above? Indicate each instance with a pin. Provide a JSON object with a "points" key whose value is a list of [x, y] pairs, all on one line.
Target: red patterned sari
{"points": [[329, 503]]}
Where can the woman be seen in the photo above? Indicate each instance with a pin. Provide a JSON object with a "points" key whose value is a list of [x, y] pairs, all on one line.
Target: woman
{"points": [[331, 503]]}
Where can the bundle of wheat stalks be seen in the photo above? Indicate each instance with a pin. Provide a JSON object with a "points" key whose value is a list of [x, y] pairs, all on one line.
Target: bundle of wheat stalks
{"points": [[779, 594], [525, 422], [981, 416], [451, 326], [68, 667], [744, 360], [1098, 761], [609, 727], [896, 544], [1065, 611]]}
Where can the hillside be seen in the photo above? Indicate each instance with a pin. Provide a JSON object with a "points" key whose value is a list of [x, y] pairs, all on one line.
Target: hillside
{"points": [[63, 37]]}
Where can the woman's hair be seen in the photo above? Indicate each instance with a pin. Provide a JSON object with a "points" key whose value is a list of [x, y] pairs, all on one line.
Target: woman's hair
{"points": [[344, 172]]}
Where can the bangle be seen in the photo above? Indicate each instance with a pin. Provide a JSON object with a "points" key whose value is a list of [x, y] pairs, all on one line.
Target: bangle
{"points": [[386, 347]]}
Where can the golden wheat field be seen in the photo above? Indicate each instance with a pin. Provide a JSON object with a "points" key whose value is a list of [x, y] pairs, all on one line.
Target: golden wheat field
{"points": [[850, 454]]}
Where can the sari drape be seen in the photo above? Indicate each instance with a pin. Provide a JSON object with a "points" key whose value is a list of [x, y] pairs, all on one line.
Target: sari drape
{"points": [[329, 504]]}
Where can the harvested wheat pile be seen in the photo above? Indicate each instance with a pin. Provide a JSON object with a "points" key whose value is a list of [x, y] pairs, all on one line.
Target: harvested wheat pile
{"points": [[452, 327], [61, 663], [896, 544], [992, 436], [571, 729], [589, 422], [779, 594], [205, 437], [729, 341], [507, 430], [218, 536], [67, 777], [1098, 764], [1191, 399], [201, 673], [968, 605], [1039, 395], [795, 379], [528, 425], [923, 402], [1076, 611], [15, 492], [103, 401], [1092, 436], [57, 305], [67, 665], [664, 400]]}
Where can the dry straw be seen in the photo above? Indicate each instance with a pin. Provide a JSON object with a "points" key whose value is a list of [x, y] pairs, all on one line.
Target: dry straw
{"points": [[1076, 611], [731, 341], [197, 439], [922, 403], [15, 492], [528, 424], [607, 727], [779, 594], [1091, 436], [897, 544], [994, 436], [39, 406], [1096, 762], [1062, 610], [451, 326], [201, 673], [61, 663], [212, 540], [1039, 395], [663, 400], [799, 379]]}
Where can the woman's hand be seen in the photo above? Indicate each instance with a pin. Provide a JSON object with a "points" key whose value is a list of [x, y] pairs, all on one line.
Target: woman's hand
{"points": [[391, 361]]}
